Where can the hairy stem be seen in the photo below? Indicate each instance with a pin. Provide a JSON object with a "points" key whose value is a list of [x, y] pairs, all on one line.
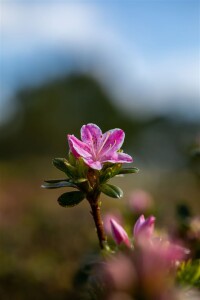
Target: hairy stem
{"points": [[95, 211]]}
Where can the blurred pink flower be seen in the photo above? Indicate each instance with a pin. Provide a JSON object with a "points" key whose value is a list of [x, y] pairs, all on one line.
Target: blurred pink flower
{"points": [[144, 228], [97, 148], [146, 271], [119, 234], [121, 272], [140, 201], [169, 251]]}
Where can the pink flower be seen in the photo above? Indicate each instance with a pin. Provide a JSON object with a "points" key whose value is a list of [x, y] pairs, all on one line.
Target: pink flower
{"points": [[144, 228], [119, 234], [96, 148]]}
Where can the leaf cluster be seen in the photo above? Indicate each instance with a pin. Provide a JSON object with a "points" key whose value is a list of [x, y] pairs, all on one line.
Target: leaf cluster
{"points": [[87, 181]]}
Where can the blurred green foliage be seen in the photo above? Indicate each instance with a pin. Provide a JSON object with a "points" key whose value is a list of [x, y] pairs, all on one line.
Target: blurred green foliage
{"points": [[189, 274], [46, 114]]}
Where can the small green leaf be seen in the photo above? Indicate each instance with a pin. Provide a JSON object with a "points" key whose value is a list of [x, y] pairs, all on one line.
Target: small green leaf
{"points": [[58, 184], [128, 171], [81, 167], [59, 163], [55, 180], [109, 172], [80, 180], [72, 159], [63, 165], [71, 198], [111, 190]]}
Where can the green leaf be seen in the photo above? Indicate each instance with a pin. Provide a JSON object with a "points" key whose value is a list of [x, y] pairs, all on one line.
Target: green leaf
{"points": [[59, 163], [55, 180], [111, 190], [109, 172], [71, 198], [128, 171], [54, 184], [80, 180], [81, 167], [72, 159], [63, 165]]}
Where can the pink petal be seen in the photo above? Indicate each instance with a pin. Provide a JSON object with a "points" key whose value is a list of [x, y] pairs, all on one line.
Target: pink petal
{"points": [[148, 226], [169, 251], [78, 148], [119, 234], [118, 157], [124, 158], [176, 252], [91, 134], [138, 224], [93, 164], [112, 141]]}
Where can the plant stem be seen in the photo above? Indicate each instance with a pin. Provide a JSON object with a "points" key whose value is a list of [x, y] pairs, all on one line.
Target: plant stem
{"points": [[95, 211]]}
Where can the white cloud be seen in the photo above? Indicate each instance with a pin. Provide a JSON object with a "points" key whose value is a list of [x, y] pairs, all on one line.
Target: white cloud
{"points": [[135, 81]]}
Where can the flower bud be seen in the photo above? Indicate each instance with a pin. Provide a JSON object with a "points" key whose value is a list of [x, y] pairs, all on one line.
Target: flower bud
{"points": [[144, 228], [119, 234], [115, 215]]}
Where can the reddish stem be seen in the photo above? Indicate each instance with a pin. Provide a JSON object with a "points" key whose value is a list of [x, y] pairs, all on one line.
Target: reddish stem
{"points": [[95, 211]]}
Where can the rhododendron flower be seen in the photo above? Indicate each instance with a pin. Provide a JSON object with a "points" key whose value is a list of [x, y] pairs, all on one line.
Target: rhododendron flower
{"points": [[144, 228], [119, 234], [96, 148]]}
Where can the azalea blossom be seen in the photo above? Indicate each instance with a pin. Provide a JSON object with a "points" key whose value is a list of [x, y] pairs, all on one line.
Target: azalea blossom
{"points": [[97, 148]]}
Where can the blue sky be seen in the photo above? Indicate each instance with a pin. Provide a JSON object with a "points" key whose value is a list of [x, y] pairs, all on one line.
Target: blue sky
{"points": [[145, 53], [157, 26]]}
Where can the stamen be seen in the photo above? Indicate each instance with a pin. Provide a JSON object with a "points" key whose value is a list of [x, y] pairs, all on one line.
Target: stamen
{"points": [[107, 136], [110, 147], [92, 145]]}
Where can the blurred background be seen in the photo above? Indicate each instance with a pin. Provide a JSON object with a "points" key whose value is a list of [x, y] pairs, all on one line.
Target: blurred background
{"points": [[128, 64]]}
